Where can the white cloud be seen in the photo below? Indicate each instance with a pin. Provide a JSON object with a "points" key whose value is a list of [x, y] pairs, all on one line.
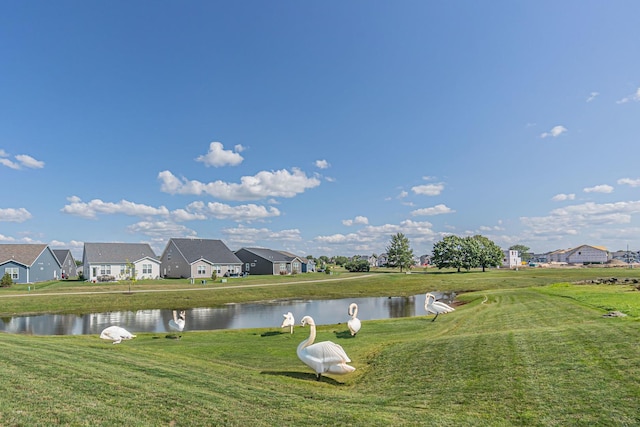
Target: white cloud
{"points": [[554, 132], [358, 220], [249, 212], [29, 162], [604, 188], [322, 164], [434, 210], [592, 96], [161, 229], [428, 189], [14, 215], [633, 97], [97, 206], [218, 156], [630, 182], [248, 236], [562, 197], [8, 163], [264, 184]]}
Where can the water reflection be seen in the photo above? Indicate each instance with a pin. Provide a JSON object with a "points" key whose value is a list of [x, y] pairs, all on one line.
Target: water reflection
{"points": [[232, 316]]}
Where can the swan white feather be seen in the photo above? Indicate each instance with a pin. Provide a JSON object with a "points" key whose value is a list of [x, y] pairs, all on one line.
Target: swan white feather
{"points": [[436, 307], [289, 321], [116, 334], [322, 357], [354, 323]]}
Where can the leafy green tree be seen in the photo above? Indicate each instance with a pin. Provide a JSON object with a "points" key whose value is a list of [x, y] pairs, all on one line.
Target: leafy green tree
{"points": [[490, 254], [399, 252], [341, 260], [523, 251], [471, 252], [448, 253], [357, 265]]}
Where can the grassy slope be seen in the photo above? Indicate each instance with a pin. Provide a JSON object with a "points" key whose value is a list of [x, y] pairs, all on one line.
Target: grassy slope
{"points": [[526, 356]]}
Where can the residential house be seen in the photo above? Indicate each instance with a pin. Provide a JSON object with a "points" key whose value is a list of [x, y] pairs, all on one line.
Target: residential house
{"points": [[587, 254], [268, 261], [29, 263], [559, 255], [383, 260], [307, 266], [67, 263], [198, 259], [511, 259], [113, 261]]}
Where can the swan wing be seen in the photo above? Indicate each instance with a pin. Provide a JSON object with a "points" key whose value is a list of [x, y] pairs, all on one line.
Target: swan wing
{"points": [[354, 325], [327, 352], [442, 306]]}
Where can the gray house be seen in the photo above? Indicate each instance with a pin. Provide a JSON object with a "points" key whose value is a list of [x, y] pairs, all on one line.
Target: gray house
{"points": [[198, 259], [268, 261], [113, 261], [67, 263], [29, 263]]}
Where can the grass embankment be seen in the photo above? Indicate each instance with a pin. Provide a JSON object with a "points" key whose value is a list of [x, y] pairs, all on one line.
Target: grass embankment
{"points": [[511, 355]]}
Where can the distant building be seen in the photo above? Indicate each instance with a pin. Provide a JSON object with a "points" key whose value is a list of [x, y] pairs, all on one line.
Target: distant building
{"points": [[511, 259], [28, 263]]}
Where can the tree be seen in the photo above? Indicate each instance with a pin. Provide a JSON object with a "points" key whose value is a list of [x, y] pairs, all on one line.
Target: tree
{"points": [[523, 251], [448, 253], [399, 253], [6, 280], [490, 254]]}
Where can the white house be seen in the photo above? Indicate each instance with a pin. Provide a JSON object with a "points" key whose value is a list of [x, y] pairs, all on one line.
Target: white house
{"points": [[104, 261], [586, 254], [511, 259]]}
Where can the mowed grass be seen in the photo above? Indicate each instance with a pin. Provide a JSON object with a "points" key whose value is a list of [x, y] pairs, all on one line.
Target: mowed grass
{"points": [[541, 355]]}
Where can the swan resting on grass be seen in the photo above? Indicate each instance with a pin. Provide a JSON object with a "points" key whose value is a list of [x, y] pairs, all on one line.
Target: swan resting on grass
{"points": [[353, 323], [116, 334], [436, 307], [322, 357], [289, 321]]}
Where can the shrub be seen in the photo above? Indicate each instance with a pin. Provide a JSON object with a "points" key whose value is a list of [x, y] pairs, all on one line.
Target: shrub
{"points": [[6, 281]]}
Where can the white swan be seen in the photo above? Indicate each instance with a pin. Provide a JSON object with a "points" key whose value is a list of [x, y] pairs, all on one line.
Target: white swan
{"points": [[178, 321], [436, 307], [353, 323], [325, 356], [116, 334], [289, 321]]}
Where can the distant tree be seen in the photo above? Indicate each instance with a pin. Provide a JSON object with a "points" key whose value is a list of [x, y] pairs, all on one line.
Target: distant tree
{"points": [[399, 252], [448, 253], [357, 265], [523, 251], [471, 252], [341, 260], [490, 254]]}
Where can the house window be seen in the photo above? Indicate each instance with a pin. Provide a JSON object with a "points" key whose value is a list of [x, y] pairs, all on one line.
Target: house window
{"points": [[123, 269], [218, 269], [246, 266], [105, 269], [202, 270], [146, 268], [296, 266], [12, 271], [283, 267]]}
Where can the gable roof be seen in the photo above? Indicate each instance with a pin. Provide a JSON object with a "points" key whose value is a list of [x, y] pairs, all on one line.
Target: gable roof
{"points": [[212, 250], [117, 253], [289, 254], [61, 254], [271, 255], [25, 254]]}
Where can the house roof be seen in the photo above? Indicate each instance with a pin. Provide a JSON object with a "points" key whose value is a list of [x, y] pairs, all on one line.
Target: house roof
{"points": [[212, 250], [61, 254], [117, 253], [271, 255], [25, 254]]}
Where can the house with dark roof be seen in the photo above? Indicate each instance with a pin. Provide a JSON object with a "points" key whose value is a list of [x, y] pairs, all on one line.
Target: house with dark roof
{"points": [[67, 263], [113, 261], [198, 259], [268, 261], [28, 263]]}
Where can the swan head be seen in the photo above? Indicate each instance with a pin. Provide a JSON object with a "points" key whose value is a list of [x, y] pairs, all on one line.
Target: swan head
{"points": [[307, 320]]}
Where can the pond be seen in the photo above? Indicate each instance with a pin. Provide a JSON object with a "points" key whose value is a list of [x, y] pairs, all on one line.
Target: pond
{"points": [[231, 316]]}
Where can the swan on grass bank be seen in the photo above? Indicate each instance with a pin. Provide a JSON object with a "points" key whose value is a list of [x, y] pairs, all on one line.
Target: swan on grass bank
{"points": [[436, 307], [289, 321], [322, 357], [116, 334], [353, 323]]}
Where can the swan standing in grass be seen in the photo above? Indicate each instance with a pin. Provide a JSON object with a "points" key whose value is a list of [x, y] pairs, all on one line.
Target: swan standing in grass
{"points": [[289, 321], [353, 323], [322, 357], [177, 323], [436, 307], [116, 334]]}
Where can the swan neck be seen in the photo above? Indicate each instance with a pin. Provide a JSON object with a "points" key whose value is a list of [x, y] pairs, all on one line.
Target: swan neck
{"points": [[311, 339]]}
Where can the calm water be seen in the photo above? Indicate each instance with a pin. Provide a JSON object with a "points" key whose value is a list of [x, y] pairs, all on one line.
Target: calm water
{"points": [[232, 316]]}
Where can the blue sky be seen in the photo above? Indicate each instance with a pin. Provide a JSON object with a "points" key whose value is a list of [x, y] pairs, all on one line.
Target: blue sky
{"points": [[320, 128]]}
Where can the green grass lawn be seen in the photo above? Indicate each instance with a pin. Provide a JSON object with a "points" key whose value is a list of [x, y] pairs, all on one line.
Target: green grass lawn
{"points": [[517, 351]]}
